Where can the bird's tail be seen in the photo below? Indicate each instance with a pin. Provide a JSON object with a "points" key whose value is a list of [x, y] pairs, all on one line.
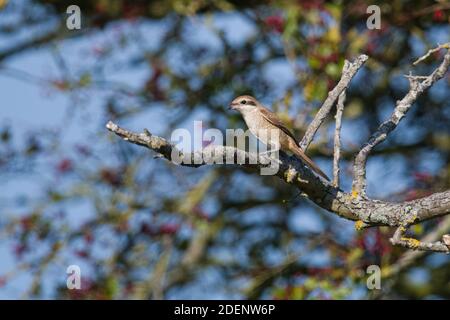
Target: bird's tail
{"points": [[300, 154]]}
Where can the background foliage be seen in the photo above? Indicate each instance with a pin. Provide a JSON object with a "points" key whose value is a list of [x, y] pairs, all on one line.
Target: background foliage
{"points": [[144, 228]]}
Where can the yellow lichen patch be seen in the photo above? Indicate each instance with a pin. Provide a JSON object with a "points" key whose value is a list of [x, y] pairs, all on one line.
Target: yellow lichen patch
{"points": [[413, 243], [359, 225], [354, 193], [411, 219], [386, 271], [290, 175]]}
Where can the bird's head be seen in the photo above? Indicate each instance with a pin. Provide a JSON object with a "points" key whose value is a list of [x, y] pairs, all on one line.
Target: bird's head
{"points": [[243, 103]]}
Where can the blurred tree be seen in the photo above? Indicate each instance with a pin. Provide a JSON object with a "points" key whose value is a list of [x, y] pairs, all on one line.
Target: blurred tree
{"points": [[156, 230]]}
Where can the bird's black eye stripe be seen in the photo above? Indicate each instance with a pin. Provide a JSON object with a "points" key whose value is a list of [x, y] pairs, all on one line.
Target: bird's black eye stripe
{"points": [[243, 101]]}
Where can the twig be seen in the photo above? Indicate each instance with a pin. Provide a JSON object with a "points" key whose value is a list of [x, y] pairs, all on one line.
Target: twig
{"points": [[431, 51], [337, 132], [399, 239], [324, 111], [408, 258]]}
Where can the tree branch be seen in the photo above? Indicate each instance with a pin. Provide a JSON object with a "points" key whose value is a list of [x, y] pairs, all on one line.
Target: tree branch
{"points": [[418, 84], [431, 51], [408, 258], [337, 132], [292, 171], [348, 73], [398, 239]]}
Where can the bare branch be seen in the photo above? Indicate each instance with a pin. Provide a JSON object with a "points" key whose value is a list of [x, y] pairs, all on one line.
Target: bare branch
{"points": [[292, 171], [347, 75], [431, 51], [408, 258], [399, 239], [191, 159], [337, 138], [418, 84]]}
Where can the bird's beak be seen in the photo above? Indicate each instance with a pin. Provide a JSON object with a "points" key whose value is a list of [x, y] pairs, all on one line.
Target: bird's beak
{"points": [[232, 106]]}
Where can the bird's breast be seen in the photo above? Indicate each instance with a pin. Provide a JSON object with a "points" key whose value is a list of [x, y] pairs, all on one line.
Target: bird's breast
{"points": [[261, 128]]}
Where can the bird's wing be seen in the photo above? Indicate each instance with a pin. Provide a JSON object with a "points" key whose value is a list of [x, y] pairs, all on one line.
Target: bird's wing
{"points": [[273, 119]]}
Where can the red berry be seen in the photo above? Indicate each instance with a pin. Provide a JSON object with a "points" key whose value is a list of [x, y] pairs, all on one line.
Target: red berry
{"points": [[438, 15], [64, 166], [275, 22], [169, 228]]}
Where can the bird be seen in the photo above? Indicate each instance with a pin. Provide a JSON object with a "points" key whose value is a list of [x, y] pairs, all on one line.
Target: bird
{"points": [[258, 118]]}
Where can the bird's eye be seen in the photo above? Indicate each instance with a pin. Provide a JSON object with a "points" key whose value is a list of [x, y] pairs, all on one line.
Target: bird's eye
{"points": [[243, 101]]}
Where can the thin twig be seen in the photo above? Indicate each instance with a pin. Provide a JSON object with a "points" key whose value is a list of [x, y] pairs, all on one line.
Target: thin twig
{"points": [[399, 239], [431, 51], [408, 258], [337, 132], [325, 109]]}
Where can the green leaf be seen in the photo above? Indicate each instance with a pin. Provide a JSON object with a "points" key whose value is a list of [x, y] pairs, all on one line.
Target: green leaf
{"points": [[85, 80]]}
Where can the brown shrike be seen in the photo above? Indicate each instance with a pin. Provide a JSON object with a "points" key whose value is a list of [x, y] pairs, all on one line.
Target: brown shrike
{"points": [[261, 121]]}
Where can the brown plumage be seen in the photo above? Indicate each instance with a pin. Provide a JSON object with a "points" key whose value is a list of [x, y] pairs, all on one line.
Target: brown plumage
{"points": [[259, 118]]}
